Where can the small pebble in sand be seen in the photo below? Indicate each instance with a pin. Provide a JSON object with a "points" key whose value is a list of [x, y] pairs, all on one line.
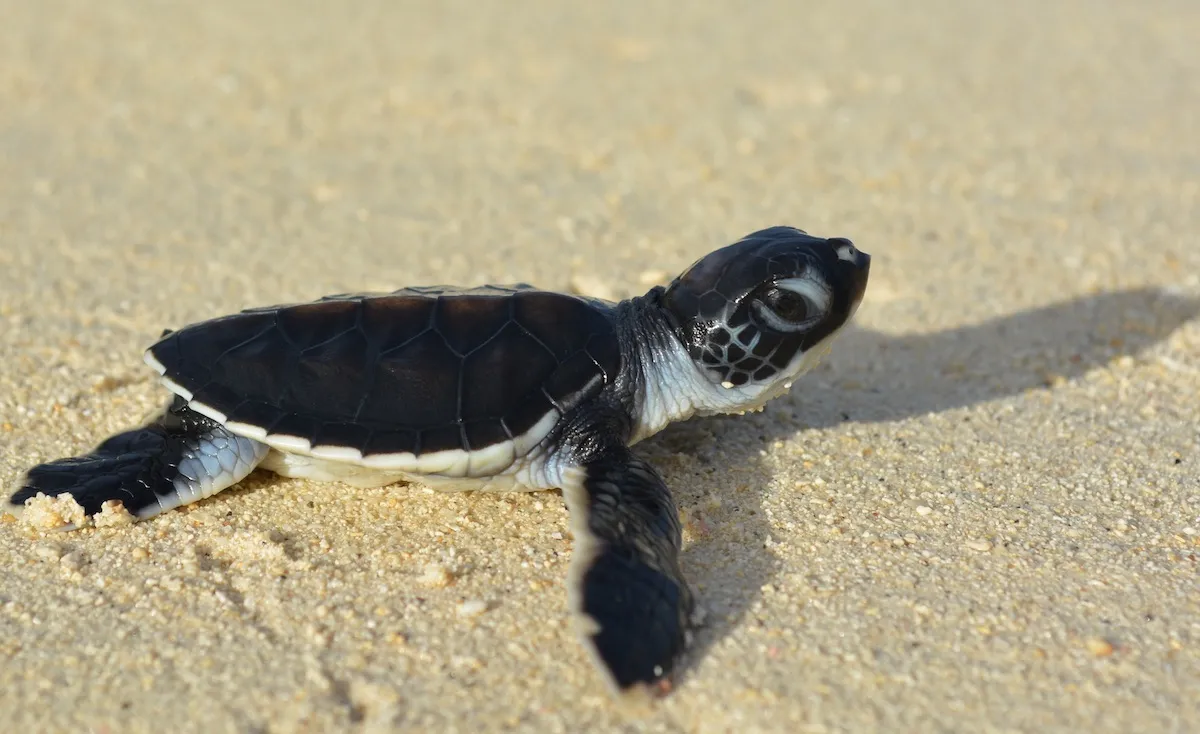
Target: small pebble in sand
{"points": [[72, 561], [923, 510], [982, 546], [324, 193], [50, 553], [437, 576], [113, 514], [471, 608], [1099, 647]]}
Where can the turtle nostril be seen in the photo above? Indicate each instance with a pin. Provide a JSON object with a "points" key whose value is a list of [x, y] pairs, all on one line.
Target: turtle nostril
{"points": [[846, 250]]}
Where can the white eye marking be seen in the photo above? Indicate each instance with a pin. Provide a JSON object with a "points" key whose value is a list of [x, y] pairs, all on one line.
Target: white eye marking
{"points": [[815, 291], [773, 320], [848, 253]]}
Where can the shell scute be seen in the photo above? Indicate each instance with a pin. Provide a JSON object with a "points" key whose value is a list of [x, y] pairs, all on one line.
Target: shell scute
{"points": [[484, 433], [414, 386], [310, 325], [503, 371], [393, 441], [331, 378], [394, 321], [467, 324]]}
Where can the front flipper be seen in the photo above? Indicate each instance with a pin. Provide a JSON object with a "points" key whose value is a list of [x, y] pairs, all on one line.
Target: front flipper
{"points": [[625, 583], [178, 458]]}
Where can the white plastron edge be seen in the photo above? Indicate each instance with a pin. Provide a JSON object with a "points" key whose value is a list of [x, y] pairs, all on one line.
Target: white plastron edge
{"points": [[450, 463]]}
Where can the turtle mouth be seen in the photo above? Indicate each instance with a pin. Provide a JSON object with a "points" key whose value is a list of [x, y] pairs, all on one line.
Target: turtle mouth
{"points": [[849, 317]]}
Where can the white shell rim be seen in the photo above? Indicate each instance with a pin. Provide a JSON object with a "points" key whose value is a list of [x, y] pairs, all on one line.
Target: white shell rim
{"points": [[452, 462]]}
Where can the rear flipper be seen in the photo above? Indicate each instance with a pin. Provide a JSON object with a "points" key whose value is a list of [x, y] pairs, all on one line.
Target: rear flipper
{"points": [[176, 459], [634, 604]]}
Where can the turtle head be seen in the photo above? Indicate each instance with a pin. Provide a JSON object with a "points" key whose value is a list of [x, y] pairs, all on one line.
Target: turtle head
{"points": [[758, 313]]}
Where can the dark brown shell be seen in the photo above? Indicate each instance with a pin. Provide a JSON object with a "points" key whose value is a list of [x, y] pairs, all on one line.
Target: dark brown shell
{"points": [[417, 370]]}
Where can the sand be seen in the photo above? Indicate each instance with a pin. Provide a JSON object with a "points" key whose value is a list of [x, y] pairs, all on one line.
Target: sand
{"points": [[981, 514]]}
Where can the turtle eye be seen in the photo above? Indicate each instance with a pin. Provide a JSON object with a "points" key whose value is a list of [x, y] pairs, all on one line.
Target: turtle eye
{"points": [[790, 306]]}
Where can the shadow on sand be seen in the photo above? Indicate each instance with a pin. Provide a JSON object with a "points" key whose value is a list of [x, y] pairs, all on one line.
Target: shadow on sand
{"points": [[886, 378]]}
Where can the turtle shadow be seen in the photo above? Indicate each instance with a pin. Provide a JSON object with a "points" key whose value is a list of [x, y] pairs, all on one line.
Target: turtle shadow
{"points": [[874, 377]]}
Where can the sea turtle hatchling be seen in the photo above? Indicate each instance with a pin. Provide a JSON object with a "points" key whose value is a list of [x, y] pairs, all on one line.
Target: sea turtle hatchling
{"points": [[492, 388]]}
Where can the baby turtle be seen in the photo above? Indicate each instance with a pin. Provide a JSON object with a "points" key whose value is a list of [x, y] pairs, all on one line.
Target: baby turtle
{"points": [[492, 388]]}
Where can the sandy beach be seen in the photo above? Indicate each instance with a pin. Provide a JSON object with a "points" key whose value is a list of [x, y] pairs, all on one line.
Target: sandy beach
{"points": [[980, 514]]}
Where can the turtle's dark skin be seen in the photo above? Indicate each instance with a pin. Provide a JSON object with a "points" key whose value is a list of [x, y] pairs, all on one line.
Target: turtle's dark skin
{"points": [[492, 388]]}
